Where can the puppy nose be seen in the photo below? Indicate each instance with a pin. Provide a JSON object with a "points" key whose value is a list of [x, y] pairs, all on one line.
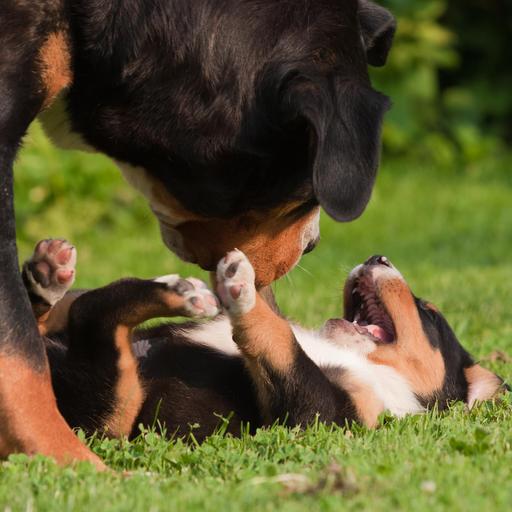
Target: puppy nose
{"points": [[378, 260]]}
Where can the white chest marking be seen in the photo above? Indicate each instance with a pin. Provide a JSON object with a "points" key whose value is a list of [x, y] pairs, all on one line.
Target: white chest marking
{"points": [[216, 335], [57, 126], [389, 386]]}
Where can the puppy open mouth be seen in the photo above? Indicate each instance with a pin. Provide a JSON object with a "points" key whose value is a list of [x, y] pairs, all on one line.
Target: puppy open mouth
{"points": [[366, 311]]}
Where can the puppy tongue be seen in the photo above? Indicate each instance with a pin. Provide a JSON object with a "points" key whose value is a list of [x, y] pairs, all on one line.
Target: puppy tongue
{"points": [[378, 332]]}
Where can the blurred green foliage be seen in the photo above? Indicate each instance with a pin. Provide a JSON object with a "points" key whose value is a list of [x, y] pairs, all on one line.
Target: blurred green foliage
{"points": [[450, 79]]}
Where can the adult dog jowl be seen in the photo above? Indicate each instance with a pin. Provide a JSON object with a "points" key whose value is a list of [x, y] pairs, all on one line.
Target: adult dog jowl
{"points": [[237, 119]]}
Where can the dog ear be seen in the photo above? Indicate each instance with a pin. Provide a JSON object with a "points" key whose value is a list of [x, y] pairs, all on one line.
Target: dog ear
{"points": [[378, 28], [482, 384], [345, 129]]}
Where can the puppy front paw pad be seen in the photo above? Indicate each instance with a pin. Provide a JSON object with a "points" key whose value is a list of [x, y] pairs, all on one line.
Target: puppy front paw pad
{"points": [[235, 283], [201, 302], [51, 269]]}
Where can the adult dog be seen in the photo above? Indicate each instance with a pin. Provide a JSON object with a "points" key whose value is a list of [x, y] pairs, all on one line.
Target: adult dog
{"points": [[235, 118]]}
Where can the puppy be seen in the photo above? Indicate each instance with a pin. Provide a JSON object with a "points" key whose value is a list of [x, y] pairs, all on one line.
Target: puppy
{"points": [[390, 352]]}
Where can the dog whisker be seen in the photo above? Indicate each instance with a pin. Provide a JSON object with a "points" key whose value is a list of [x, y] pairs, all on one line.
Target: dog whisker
{"points": [[305, 270]]}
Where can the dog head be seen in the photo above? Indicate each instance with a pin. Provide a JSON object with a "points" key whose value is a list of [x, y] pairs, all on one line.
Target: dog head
{"points": [[410, 335], [237, 119]]}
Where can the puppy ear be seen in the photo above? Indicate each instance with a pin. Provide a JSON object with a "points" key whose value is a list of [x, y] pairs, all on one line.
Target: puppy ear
{"points": [[482, 384], [345, 145], [378, 28]]}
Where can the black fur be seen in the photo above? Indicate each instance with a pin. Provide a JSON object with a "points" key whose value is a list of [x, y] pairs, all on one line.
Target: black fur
{"points": [[378, 28], [241, 98], [190, 387], [23, 25], [456, 358], [305, 393]]}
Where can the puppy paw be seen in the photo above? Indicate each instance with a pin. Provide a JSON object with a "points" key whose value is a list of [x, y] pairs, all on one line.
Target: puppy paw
{"points": [[197, 301], [235, 283], [50, 272]]}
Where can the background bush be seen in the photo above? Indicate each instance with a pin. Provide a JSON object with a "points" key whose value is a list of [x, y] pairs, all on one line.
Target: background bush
{"points": [[450, 78]]}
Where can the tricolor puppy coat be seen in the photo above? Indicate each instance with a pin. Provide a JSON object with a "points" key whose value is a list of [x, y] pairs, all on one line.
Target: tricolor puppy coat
{"points": [[390, 352]]}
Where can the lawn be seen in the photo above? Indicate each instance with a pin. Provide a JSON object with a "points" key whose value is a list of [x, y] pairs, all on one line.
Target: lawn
{"points": [[449, 232]]}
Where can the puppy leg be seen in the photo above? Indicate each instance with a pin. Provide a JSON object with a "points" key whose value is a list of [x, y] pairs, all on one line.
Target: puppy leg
{"points": [[48, 275], [289, 385], [97, 384]]}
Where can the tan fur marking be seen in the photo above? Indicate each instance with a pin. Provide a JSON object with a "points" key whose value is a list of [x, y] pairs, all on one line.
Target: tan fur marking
{"points": [[483, 384], [166, 303], [368, 406], [55, 66], [271, 242], [411, 355], [129, 392], [162, 196], [165, 206], [41, 323], [172, 304], [56, 319], [139, 313], [261, 335], [31, 422], [432, 307]]}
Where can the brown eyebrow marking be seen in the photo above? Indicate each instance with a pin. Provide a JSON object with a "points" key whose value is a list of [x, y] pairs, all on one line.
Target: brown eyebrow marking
{"points": [[432, 307]]}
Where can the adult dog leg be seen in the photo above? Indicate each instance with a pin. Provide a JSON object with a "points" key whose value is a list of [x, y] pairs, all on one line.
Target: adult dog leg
{"points": [[289, 385], [97, 383], [31, 422]]}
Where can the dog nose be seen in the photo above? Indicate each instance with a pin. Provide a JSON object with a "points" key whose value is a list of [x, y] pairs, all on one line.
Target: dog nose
{"points": [[378, 260]]}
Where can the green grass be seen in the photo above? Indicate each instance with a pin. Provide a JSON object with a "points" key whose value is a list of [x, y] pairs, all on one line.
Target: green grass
{"points": [[449, 234]]}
